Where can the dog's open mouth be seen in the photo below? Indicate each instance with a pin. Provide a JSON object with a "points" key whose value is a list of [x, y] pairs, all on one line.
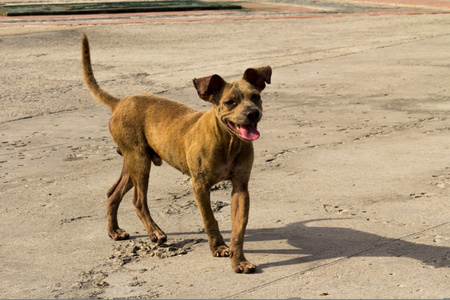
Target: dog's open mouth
{"points": [[247, 132]]}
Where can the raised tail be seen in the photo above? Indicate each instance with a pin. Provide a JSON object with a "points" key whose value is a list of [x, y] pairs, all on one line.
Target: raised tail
{"points": [[100, 95]]}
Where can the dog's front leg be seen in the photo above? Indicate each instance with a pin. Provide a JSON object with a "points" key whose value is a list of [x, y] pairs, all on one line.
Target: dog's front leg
{"points": [[240, 205], [216, 242]]}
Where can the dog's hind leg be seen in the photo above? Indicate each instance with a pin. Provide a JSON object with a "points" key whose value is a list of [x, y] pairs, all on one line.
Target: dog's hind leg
{"points": [[115, 195], [138, 163]]}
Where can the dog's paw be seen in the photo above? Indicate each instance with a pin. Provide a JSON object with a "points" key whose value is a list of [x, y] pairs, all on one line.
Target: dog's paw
{"points": [[221, 251], [244, 267], [119, 235], [158, 237]]}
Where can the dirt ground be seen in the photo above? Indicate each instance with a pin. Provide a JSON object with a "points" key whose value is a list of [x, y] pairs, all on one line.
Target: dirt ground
{"points": [[351, 181]]}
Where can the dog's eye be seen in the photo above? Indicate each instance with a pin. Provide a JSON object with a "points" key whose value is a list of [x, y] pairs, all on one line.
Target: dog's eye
{"points": [[230, 102], [256, 98]]}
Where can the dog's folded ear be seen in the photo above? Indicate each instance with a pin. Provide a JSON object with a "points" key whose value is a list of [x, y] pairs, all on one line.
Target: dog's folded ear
{"points": [[258, 77], [207, 87]]}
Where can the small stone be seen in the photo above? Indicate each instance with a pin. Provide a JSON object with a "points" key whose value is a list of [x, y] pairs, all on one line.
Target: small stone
{"points": [[101, 283]]}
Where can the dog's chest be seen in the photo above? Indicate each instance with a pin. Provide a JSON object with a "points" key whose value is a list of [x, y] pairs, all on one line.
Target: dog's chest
{"points": [[233, 157], [219, 163]]}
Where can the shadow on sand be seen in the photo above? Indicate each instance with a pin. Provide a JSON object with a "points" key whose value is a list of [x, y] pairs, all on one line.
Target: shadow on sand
{"points": [[321, 243]]}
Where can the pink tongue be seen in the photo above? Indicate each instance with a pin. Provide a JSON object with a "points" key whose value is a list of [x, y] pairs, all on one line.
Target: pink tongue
{"points": [[249, 132]]}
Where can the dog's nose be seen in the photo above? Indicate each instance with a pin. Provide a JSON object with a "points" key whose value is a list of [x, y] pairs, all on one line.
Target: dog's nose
{"points": [[254, 115]]}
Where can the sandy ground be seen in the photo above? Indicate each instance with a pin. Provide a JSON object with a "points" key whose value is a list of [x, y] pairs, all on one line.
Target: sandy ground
{"points": [[350, 186]]}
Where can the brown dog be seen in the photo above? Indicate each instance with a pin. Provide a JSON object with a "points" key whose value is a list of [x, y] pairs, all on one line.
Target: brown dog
{"points": [[209, 146]]}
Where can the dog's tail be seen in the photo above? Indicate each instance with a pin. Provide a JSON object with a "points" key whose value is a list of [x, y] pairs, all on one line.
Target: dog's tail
{"points": [[100, 95]]}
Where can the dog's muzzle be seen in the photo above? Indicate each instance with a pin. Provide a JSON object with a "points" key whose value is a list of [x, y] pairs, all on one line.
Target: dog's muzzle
{"points": [[249, 131]]}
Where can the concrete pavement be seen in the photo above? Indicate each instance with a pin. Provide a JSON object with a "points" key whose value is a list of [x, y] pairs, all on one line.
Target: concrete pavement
{"points": [[351, 180]]}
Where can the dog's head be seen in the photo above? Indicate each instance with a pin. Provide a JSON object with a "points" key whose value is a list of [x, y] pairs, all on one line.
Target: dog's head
{"points": [[237, 104]]}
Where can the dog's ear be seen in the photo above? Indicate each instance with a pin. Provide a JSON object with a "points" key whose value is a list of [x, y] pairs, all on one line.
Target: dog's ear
{"points": [[208, 86], [258, 77]]}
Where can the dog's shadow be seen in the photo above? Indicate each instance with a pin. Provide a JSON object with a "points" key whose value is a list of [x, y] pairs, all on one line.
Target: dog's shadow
{"points": [[320, 243]]}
